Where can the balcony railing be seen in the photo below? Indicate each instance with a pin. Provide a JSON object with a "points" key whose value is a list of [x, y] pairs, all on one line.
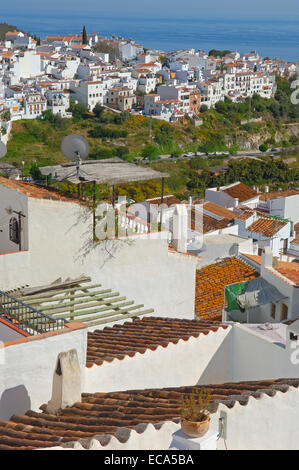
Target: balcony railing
{"points": [[27, 318]]}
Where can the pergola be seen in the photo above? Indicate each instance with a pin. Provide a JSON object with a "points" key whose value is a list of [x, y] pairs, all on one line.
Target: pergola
{"points": [[110, 171]]}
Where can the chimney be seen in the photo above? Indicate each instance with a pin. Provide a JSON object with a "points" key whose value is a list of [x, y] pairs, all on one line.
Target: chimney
{"points": [[190, 201], [267, 258], [66, 388], [266, 189], [180, 228]]}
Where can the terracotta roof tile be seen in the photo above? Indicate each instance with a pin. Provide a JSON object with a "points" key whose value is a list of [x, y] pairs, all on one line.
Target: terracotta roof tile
{"points": [[168, 200], [36, 192], [218, 210], [266, 226], [204, 223], [290, 270], [102, 414], [139, 335], [211, 281], [276, 194], [241, 191]]}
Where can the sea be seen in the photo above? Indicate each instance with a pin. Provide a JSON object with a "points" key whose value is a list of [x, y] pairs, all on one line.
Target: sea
{"points": [[275, 38]]}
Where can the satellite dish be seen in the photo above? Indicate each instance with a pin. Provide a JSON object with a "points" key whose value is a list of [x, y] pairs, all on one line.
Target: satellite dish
{"points": [[3, 150], [75, 148]]}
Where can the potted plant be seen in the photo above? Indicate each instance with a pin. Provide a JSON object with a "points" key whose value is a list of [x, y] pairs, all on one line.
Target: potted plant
{"points": [[195, 412]]}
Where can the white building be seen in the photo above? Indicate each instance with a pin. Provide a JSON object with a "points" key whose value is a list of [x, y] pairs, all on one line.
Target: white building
{"points": [[89, 93], [233, 195]]}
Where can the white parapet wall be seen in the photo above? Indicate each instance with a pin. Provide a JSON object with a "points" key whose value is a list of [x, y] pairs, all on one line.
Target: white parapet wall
{"points": [[257, 357], [142, 437], [27, 368], [201, 360], [265, 423]]}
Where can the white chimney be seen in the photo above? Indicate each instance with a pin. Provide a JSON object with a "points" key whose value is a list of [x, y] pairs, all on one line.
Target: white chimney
{"points": [[66, 388], [267, 258], [190, 201], [180, 228], [266, 189]]}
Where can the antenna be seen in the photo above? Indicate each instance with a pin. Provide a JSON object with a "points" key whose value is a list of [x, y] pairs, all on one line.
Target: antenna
{"points": [[3, 149], [75, 148]]}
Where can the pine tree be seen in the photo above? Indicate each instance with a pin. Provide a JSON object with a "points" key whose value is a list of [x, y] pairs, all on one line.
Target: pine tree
{"points": [[84, 36]]}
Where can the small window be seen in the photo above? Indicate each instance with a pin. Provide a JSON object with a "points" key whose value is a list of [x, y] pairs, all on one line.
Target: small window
{"points": [[273, 310], [284, 312], [14, 234], [293, 337]]}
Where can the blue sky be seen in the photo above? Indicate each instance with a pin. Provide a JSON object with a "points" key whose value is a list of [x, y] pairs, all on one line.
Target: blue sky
{"points": [[253, 9]]}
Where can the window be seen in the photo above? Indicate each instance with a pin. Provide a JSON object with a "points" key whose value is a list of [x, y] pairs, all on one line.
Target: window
{"points": [[273, 310], [293, 337], [284, 312], [14, 234]]}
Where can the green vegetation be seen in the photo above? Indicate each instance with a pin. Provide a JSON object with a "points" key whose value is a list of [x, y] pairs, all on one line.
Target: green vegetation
{"points": [[194, 176], [217, 53], [107, 48], [84, 36], [4, 28], [131, 138]]}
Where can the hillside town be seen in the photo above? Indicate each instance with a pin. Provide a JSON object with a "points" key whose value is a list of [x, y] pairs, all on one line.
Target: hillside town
{"points": [[116, 313], [36, 76]]}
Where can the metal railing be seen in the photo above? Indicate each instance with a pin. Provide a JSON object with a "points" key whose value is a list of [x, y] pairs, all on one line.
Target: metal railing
{"points": [[27, 318]]}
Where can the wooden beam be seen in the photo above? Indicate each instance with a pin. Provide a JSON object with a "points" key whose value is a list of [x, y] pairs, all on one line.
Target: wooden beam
{"points": [[62, 291], [121, 317], [65, 297]]}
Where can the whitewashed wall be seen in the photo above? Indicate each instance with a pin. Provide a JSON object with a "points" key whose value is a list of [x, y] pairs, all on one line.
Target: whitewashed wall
{"points": [[202, 360], [27, 369], [60, 244], [267, 423], [256, 357], [18, 202]]}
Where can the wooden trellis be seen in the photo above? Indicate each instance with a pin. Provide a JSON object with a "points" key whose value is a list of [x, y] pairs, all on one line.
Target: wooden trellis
{"points": [[90, 304]]}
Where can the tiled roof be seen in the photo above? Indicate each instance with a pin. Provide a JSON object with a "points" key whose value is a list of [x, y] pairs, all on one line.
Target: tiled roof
{"points": [[218, 210], [266, 226], [204, 223], [256, 258], [290, 270], [211, 281], [36, 192], [276, 194], [139, 335], [241, 191], [168, 200], [101, 415]]}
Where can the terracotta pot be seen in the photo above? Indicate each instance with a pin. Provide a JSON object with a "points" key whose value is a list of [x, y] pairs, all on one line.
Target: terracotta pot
{"points": [[195, 428]]}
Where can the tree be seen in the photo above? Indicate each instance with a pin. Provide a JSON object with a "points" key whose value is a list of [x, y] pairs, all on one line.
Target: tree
{"points": [[263, 147], [98, 110], [203, 108], [150, 151], [84, 36]]}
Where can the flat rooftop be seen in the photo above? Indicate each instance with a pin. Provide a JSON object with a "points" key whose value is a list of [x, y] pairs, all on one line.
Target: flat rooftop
{"points": [[109, 171]]}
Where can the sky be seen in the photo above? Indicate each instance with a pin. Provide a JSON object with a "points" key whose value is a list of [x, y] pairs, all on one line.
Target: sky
{"points": [[253, 9]]}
